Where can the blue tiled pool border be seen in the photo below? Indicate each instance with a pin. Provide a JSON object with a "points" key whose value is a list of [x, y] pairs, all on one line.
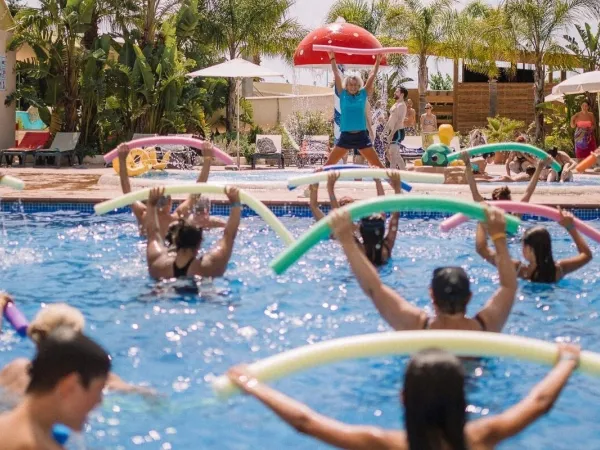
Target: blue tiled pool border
{"points": [[291, 210]]}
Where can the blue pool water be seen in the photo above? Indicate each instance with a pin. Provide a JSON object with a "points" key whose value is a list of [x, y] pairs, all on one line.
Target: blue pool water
{"points": [[277, 175], [178, 343]]}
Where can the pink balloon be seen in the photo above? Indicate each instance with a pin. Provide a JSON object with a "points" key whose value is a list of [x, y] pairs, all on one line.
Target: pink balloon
{"points": [[525, 208], [170, 140]]}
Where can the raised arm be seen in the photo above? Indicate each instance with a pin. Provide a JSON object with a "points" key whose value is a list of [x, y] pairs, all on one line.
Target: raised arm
{"points": [[215, 263], [496, 311], [481, 245], [138, 208], [185, 208], [306, 421], [535, 178], [469, 176], [5, 299], [314, 202], [396, 311], [331, 180], [511, 155], [117, 384], [337, 76], [540, 400], [373, 75], [155, 250], [379, 188], [569, 265], [390, 238]]}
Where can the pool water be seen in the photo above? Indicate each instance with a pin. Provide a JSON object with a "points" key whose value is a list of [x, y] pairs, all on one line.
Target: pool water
{"points": [[278, 175], [177, 343]]}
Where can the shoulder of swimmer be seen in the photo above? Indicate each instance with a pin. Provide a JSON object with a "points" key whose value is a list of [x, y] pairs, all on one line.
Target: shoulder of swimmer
{"points": [[19, 433], [14, 376]]}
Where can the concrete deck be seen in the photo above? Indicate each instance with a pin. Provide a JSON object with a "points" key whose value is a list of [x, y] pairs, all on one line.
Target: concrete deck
{"points": [[96, 184]]}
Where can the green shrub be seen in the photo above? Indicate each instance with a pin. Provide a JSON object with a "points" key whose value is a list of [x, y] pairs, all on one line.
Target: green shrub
{"points": [[503, 129]]}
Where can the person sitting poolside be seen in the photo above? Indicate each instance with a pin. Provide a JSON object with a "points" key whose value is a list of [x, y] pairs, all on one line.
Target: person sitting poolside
{"points": [[450, 287], [166, 217], [186, 239], [567, 163], [66, 380], [537, 250], [15, 376], [354, 125], [435, 408], [370, 233]]}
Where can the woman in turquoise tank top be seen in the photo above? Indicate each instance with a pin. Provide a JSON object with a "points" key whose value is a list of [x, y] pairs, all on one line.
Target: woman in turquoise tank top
{"points": [[353, 103]]}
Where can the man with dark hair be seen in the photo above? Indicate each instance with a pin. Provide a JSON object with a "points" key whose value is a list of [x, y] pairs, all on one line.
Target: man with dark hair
{"points": [[394, 129], [68, 375]]}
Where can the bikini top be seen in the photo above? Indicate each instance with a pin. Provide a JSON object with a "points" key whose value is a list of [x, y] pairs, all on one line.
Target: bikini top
{"points": [[584, 124]]}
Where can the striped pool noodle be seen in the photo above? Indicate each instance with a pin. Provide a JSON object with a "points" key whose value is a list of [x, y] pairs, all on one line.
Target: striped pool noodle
{"points": [[337, 111]]}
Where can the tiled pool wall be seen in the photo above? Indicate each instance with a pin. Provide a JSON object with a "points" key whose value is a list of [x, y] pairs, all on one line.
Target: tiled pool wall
{"points": [[280, 210]]}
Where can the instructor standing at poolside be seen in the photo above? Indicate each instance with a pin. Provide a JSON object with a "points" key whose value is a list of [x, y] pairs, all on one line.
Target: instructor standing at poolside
{"points": [[354, 128]]}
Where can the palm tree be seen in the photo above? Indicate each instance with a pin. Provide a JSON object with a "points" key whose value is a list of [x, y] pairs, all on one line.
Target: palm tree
{"points": [[422, 26], [536, 25], [368, 15], [250, 29], [589, 53]]}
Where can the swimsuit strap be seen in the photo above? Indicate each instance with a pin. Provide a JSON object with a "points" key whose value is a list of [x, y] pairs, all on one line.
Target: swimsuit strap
{"points": [[180, 272]]}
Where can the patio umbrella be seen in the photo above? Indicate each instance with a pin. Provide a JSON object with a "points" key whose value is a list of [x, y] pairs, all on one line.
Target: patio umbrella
{"points": [[580, 84], [238, 69]]}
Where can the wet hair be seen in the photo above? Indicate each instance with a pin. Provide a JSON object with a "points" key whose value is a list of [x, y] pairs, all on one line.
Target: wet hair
{"points": [[434, 401], [530, 171], [184, 235], [354, 77], [553, 152], [538, 239], [451, 289], [372, 232], [63, 352], [501, 193], [52, 317]]}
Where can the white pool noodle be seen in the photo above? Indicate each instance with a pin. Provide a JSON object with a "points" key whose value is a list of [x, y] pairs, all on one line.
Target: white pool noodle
{"points": [[256, 205], [461, 343], [12, 182], [405, 175]]}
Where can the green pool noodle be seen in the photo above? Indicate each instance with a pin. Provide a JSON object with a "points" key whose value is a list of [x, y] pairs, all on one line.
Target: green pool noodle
{"points": [[390, 203]]}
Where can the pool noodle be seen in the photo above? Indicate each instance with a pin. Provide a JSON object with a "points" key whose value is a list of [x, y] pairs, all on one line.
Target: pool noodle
{"points": [[169, 140], [405, 186], [525, 208], [360, 51], [461, 343], [61, 433], [202, 188], [12, 182], [16, 318], [587, 163], [506, 147], [389, 203], [351, 174]]}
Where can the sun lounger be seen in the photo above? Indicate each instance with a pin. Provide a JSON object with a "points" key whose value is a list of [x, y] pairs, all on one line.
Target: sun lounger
{"points": [[32, 141], [63, 145], [315, 149], [268, 146]]}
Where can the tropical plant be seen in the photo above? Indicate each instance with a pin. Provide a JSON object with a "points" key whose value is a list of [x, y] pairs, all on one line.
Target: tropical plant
{"points": [[589, 53], [439, 82], [369, 15], [536, 25], [250, 29], [308, 123], [503, 129]]}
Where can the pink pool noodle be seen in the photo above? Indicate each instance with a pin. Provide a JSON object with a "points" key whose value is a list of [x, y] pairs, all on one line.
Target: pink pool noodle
{"points": [[360, 51], [169, 140], [526, 208], [16, 319]]}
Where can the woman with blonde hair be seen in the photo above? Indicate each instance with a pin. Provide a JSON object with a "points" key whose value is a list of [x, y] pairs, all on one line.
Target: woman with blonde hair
{"points": [[429, 126], [14, 377]]}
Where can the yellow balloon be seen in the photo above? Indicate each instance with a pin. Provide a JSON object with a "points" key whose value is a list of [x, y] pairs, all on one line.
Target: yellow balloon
{"points": [[446, 133]]}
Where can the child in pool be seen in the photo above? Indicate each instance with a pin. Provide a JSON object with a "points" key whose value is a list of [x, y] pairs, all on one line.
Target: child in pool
{"points": [[165, 216], [186, 238], [435, 406], [449, 290], [370, 233], [66, 380], [15, 377], [537, 250]]}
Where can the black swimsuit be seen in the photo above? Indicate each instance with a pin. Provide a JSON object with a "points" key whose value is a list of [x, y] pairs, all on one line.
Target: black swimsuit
{"points": [[181, 272], [477, 318]]}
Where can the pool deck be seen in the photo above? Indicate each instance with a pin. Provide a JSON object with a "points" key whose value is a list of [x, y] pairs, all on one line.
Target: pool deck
{"points": [[96, 184]]}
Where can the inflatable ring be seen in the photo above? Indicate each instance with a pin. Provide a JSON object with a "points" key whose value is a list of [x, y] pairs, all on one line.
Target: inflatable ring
{"points": [[587, 163], [153, 159], [138, 163]]}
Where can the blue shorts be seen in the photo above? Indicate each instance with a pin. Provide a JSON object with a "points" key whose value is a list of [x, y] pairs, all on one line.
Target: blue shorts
{"points": [[353, 141], [398, 136]]}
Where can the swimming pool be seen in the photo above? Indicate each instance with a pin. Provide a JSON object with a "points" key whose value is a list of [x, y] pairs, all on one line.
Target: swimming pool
{"points": [[176, 343]]}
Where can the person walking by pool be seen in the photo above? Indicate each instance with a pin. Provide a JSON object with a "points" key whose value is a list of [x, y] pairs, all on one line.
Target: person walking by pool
{"points": [[14, 377], [370, 233], [354, 127], [584, 123], [166, 217], [186, 240], [450, 288], [66, 380], [394, 129], [410, 121], [435, 408], [428, 125], [567, 163], [537, 251]]}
